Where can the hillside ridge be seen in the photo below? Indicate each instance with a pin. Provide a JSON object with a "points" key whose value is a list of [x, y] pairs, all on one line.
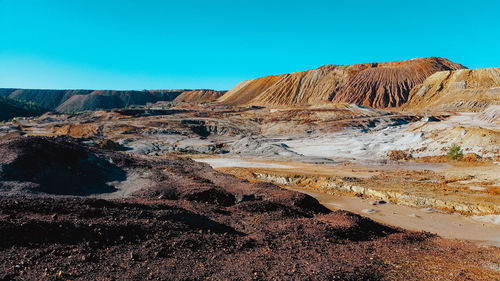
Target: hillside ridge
{"points": [[378, 85]]}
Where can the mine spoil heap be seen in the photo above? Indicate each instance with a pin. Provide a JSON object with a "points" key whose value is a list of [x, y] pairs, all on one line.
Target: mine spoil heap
{"points": [[199, 96], [377, 85]]}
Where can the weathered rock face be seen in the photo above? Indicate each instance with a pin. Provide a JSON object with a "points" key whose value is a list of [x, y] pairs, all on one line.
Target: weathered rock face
{"points": [[199, 96], [463, 90], [332, 185], [370, 84], [490, 115]]}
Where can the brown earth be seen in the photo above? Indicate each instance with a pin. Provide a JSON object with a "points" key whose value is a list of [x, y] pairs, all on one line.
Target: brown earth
{"points": [[78, 130], [397, 155], [195, 223], [370, 84], [460, 90], [199, 96]]}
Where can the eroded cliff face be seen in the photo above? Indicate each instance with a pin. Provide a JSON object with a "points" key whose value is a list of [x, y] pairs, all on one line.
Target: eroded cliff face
{"points": [[332, 185], [377, 85], [423, 189], [460, 90]]}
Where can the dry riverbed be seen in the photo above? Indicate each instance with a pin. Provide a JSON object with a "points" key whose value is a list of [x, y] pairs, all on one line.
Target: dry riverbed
{"points": [[453, 226], [453, 200]]}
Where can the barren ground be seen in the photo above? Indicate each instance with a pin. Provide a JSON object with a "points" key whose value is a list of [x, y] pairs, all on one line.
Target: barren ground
{"points": [[165, 216]]}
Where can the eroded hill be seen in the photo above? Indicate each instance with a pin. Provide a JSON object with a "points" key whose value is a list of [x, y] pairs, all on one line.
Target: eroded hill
{"points": [[199, 96], [10, 108], [376, 85]]}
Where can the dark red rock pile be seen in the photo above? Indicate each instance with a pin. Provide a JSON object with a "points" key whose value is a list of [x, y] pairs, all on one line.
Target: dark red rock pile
{"points": [[54, 166]]}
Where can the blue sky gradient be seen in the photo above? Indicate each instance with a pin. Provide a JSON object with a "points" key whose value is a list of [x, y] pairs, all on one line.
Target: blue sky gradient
{"points": [[148, 44]]}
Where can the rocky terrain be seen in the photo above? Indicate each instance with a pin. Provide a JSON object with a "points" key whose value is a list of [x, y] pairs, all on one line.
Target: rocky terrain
{"points": [[340, 173], [376, 85], [191, 222], [329, 138]]}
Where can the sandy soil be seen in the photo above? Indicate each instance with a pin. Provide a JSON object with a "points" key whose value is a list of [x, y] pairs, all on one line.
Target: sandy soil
{"points": [[453, 226], [232, 162]]}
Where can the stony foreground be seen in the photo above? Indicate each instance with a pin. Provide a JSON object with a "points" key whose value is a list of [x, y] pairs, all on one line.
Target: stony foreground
{"points": [[191, 222]]}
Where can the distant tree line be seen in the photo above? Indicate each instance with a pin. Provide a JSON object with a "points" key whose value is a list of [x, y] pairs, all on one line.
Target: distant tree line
{"points": [[10, 108]]}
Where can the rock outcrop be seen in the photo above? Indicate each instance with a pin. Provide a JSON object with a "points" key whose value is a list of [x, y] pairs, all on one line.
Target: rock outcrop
{"points": [[199, 96], [460, 90], [377, 85]]}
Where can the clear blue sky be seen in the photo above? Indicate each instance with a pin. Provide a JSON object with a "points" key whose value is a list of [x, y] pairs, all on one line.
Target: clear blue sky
{"points": [[147, 44]]}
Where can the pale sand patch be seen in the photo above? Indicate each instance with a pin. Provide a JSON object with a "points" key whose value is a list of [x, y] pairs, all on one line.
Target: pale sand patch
{"points": [[354, 144], [453, 226], [488, 218], [232, 162]]}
